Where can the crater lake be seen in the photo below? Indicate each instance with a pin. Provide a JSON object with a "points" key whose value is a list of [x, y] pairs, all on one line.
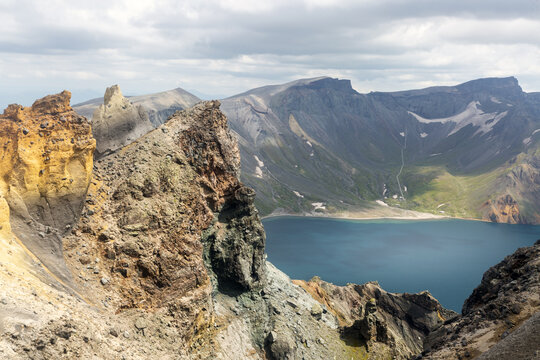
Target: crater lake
{"points": [[446, 257]]}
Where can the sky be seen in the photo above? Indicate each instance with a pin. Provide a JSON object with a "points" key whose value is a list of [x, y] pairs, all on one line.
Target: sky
{"points": [[218, 48]]}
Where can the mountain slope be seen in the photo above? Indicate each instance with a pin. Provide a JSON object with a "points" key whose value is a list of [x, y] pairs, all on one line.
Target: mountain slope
{"points": [[319, 141]]}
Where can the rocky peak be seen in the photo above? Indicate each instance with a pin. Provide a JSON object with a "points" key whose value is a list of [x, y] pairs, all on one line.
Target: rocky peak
{"points": [[333, 84], [118, 122], [113, 94], [490, 84], [53, 104]]}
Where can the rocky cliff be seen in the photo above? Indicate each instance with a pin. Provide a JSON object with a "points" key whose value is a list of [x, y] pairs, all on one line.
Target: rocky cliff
{"points": [[45, 170], [522, 182], [506, 301], [386, 323], [165, 223]]}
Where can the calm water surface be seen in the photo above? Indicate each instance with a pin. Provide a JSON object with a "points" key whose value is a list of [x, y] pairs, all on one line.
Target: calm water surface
{"points": [[446, 257]]}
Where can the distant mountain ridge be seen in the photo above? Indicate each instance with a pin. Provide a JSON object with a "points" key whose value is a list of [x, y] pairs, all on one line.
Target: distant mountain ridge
{"points": [[317, 145], [159, 105]]}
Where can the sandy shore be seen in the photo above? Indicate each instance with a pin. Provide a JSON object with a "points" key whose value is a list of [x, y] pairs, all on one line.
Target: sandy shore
{"points": [[373, 213], [377, 212]]}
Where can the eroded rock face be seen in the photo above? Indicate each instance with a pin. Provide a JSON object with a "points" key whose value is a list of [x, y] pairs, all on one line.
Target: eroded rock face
{"points": [[148, 208], [508, 295], [235, 242], [45, 170], [118, 122]]}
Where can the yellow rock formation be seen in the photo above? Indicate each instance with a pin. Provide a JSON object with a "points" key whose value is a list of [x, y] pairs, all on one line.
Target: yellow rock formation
{"points": [[46, 159]]}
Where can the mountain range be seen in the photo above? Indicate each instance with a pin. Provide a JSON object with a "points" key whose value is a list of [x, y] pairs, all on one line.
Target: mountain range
{"points": [[466, 150], [317, 146]]}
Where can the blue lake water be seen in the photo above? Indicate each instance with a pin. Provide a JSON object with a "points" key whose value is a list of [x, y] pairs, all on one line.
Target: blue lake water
{"points": [[447, 257]]}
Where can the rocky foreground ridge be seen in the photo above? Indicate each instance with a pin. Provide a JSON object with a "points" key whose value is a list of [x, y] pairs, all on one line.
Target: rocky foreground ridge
{"points": [[502, 310], [157, 251]]}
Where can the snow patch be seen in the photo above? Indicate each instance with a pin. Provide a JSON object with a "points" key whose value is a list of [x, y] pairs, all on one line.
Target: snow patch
{"points": [[495, 100], [435, 154], [527, 140], [258, 172], [259, 162], [380, 202], [423, 135], [298, 194], [318, 205], [402, 134], [404, 188], [472, 115], [394, 196], [307, 142]]}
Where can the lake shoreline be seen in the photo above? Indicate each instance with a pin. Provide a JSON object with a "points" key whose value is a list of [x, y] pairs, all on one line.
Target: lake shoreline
{"points": [[411, 215]]}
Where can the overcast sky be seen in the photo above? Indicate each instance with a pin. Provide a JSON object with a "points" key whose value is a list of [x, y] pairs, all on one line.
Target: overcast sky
{"points": [[222, 47]]}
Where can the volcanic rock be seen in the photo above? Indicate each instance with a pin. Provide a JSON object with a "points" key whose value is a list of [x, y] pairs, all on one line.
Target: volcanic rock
{"points": [[118, 122]]}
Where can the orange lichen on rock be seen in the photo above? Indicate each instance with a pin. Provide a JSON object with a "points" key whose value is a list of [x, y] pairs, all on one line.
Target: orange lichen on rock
{"points": [[314, 288]]}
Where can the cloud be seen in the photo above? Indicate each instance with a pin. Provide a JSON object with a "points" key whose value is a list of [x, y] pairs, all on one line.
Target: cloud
{"points": [[223, 47]]}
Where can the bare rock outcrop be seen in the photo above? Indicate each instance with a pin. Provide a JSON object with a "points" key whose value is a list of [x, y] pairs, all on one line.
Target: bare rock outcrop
{"points": [[45, 169], [507, 297], [148, 209], [504, 210], [117, 122], [385, 323]]}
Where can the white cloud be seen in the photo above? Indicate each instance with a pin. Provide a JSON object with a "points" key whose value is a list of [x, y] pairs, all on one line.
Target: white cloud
{"points": [[223, 47]]}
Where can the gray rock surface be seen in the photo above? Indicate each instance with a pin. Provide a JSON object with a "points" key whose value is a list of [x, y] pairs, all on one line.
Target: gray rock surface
{"points": [[118, 122], [522, 344]]}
